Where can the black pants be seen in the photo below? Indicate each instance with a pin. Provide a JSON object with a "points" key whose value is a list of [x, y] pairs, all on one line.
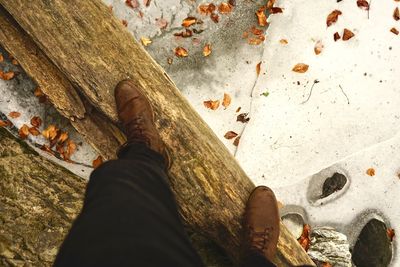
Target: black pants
{"points": [[130, 218]]}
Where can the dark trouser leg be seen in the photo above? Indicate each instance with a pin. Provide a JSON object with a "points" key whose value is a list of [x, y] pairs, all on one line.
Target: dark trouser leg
{"points": [[129, 217]]}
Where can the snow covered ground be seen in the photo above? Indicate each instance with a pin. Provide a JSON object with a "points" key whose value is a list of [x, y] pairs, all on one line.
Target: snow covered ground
{"points": [[340, 116]]}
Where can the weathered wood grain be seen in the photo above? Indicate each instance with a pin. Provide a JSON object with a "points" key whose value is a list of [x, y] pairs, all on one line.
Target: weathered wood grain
{"points": [[94, 52]]}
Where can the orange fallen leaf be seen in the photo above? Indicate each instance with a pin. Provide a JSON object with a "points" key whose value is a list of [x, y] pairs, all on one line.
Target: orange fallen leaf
{"points": [[214, 17], [371, 171], [347, 34], [207, 9], [270, 4], [211, 104], [145, 41], [1, 57], [50, 132], [189, 21], [207, 50], [276, 10], [318, 47], [226, 101], [3, 123], [70, 149], [261, 18], [256, 41], [394, 30], [14, 114], [333, 17], [283, 41], [256, 31], [225, 8], [300, 68], [185, 34], [390, 233], [24, 131], [132, 3], [63, 137], [236, 141], [396, 14], [336, 36], [230, 135], [36, 121], [363, 4], [97, 162], [304, 239], [7, 75], [258, 68], [34, 131], [181, 52]]}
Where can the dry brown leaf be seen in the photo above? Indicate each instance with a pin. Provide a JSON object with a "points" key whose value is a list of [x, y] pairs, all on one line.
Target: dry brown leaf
{"points": [[363, 4], [256, 41], [3, 123], [14, 114], [261, 18], [185, 34], [230, 135], [318, 47], [347, 34], [50, 133], [97, 162], [333, 17], [396, 14], [34, 131], [23, 131], [207, 50], [132, 3], [36, 121], [226, 101], [63, 137], [371, 172], [276, 10], [146, 2], [256, 31], [394, 30], [238, 109], [390, 233], [38, 92], [211, 104], [225, 8], [304, 239], [242, 117], [145, 41], [125, 23], [7, 75], [70, 149], [189, 21], [283, 41], [258, 68], [214, 17], [207, 9], [270, 4], [336, 36], [181, 52], [1, 57], [300, 68], [161, 23], [236, 141]]}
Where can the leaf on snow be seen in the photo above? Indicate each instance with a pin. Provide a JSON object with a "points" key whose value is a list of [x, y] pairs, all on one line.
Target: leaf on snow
{"points": [[225, 8], [226, 101], [181, 52], [371, 172], [24, 131], [363, 4], [230, 135], [34, 131], [318, 47], [333, 17], [236, 141], [145, 41], [396, 14], [207, 50], [336, 36], [243, 117], [132, 3], [394, 30], [14, 114], [189, 21], [207, 9], [211, 104], [258, 68], [347, 34], [276, 10], [261, 18], [300, 68], [36, 121], [390, 233]]}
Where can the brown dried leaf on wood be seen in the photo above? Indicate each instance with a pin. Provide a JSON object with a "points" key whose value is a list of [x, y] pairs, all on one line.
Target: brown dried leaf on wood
{"points": [[258, 68], [363, 4], [97, 162], [207, 50], [14, 114], [261, 18], [34, 131], [390, 233], [7, 75], [394, 30], [396, 14], [336, 36], [230, 135], [211, 104], [189, 21], [132, 3], [207, 9], [242, 117], [318, 47], [333, 17], [36, 121], [50, 132], [23, 131], [145, 41], [236, 141], [283, 41], [161, 23], [226, 101], [300, 68], [185, 34], [347, 34], [181, 52], [276, 10], [371, 172], [225, 8], [304, 239]]}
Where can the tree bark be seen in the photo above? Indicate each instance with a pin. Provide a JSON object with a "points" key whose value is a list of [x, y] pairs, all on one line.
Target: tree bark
{"points": [[92, 50]]}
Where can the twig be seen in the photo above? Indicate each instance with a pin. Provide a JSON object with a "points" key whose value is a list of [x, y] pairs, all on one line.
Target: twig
{"points": [[309, 95], [348, 101]]}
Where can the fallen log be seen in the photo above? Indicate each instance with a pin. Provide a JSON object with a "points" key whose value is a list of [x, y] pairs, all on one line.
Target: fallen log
{"points": [[93, 51]]}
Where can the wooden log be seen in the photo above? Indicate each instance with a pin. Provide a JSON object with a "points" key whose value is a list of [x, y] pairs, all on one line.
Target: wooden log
{"points": [[94, 52]]}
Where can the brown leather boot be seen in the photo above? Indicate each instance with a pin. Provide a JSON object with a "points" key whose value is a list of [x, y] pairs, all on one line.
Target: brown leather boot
{"points": [[137, 118], [261, 223]]}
